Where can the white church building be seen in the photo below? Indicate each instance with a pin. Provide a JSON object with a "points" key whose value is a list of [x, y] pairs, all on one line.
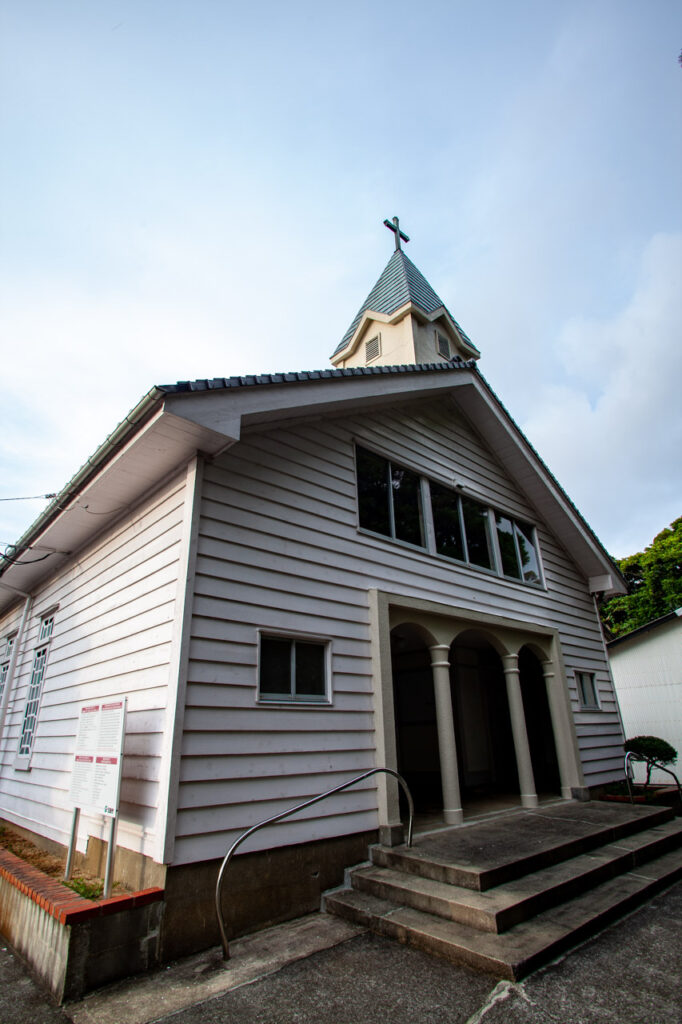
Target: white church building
{"points": [[294, 578]]}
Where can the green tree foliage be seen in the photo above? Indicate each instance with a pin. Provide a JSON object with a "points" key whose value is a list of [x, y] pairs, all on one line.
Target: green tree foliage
{"points": [[653, 750], [654, 579]]}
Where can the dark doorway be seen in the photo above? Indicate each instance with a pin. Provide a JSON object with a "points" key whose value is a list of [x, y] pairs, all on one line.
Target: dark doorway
{"points": [[415, 719], [539, 725], [485, 744]]}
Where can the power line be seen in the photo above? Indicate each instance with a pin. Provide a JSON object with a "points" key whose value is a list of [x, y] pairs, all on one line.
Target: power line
{"points": [[30, 497]]}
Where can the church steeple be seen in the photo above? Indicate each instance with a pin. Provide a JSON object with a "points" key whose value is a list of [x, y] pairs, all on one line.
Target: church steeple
{"points": [[402, 320]]}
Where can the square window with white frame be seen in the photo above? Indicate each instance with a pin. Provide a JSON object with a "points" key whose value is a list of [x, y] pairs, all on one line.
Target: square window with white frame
{"points": [[587, 690], [293, 669]]}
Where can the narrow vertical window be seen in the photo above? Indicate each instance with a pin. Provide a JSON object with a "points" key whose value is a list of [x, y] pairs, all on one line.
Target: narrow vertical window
{"points": [[373, 497], [35, 688], [508, 550], [476, 524], [528, 555], [587, 690], [447, 524], [407, 506], [4, 664]]}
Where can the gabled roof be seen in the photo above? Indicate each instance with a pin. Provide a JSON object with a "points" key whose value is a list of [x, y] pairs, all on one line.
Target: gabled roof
{"points": [[400, 283], [172, 422]]}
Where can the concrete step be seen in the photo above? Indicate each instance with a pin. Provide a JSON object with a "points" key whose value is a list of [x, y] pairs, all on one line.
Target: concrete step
{"points": [[516, 952], [488, 854], [498, 909]]}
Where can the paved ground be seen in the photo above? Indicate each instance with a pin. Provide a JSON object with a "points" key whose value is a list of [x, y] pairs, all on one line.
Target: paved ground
{"points": [[630, 974]]}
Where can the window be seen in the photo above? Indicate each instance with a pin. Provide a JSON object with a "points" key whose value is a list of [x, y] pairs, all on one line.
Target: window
{"points": [[389, 498], [443, 345], [447, 523], [587, 690], [398, 503], [292, 669], [517, 549], [5, 658], [477, 532], [28, 729], [461, 527], [372, 348]]}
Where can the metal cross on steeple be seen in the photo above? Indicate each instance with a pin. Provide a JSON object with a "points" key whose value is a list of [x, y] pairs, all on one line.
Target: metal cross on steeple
{"points": [[394, 226]]}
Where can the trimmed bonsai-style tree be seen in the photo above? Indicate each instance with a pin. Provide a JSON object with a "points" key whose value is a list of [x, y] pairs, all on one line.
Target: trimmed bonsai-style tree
{"points": [[653, 751]]}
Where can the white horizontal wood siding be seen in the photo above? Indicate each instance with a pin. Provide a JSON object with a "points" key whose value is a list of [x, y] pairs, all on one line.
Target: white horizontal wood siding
{"points": [[111, 638], [279, 549]]}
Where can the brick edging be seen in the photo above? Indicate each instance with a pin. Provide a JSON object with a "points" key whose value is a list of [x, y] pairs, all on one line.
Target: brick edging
{"points": [[61, 902]]}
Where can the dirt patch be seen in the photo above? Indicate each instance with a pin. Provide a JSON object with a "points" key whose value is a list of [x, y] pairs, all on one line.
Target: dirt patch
{"points": [[52, 865]]}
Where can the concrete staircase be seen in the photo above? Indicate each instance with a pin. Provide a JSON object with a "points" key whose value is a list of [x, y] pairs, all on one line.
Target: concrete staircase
{"points": [[509, 894]]}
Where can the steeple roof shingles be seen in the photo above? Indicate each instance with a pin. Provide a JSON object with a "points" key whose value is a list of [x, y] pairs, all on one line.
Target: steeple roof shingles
{"points": [[399, 284]]}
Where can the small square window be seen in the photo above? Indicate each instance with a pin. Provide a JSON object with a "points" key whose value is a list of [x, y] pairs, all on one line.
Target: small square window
{"points": [[587, 689], [291, 669]]}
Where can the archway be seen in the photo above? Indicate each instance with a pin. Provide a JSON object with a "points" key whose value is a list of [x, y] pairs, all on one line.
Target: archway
{"points": [[485, 743], [415, 718], [539, 727]]}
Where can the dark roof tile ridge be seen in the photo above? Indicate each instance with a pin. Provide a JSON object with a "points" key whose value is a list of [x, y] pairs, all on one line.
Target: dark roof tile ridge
{"points": [[304, 376]]}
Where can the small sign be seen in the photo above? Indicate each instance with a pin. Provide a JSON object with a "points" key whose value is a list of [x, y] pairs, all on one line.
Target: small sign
{"points": [[96, 772]]}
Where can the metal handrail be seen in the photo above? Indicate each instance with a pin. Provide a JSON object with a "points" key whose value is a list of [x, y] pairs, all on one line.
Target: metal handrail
{"points": [[629, 772], [286, 814]]}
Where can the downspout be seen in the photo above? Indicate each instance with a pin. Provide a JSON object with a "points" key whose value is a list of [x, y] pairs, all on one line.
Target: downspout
{"points": [[14, 658]]}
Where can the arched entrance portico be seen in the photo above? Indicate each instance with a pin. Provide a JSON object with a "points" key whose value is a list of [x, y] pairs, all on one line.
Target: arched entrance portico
{"points": [[483, 731], [472, 708]]}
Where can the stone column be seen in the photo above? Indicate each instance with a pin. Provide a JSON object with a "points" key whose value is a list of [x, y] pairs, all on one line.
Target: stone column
{"points": [[524, 766], [562, 752], [447, 747]]}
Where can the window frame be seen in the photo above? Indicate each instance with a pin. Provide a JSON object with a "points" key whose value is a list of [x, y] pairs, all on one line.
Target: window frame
{"points": [[428, 524], [36, 689], [580, 677], [390, 466], [5, 663], [292, 699]]}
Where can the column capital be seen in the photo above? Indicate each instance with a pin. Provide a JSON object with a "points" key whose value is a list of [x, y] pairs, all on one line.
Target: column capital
{"points": [[440, 655], [510, 663]]}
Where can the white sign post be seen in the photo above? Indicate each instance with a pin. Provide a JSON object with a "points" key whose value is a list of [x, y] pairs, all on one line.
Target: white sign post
{"points": [[96, 773]]}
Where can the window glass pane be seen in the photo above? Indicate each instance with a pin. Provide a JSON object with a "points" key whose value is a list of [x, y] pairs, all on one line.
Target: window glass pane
{"points": [[587, 690], [31, 712], [275, 665], [476, 527], [373, 492], [505, 536], [407, 512], [530, 565], [310, 669], [446, 524]]}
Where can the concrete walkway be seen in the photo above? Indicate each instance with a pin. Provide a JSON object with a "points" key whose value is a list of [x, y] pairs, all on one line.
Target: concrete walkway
{"points": [[322, 971]]}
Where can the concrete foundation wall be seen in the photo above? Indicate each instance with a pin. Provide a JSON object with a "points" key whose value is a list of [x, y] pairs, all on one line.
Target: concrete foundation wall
{"points": [[259, 890]]}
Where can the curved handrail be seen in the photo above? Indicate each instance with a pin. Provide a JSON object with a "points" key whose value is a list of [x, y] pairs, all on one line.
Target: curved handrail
{"points": [[629, 773], [285, 814]]}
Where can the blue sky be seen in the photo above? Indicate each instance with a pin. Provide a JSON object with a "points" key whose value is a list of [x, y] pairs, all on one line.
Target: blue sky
{"points": [[198, 189]]}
